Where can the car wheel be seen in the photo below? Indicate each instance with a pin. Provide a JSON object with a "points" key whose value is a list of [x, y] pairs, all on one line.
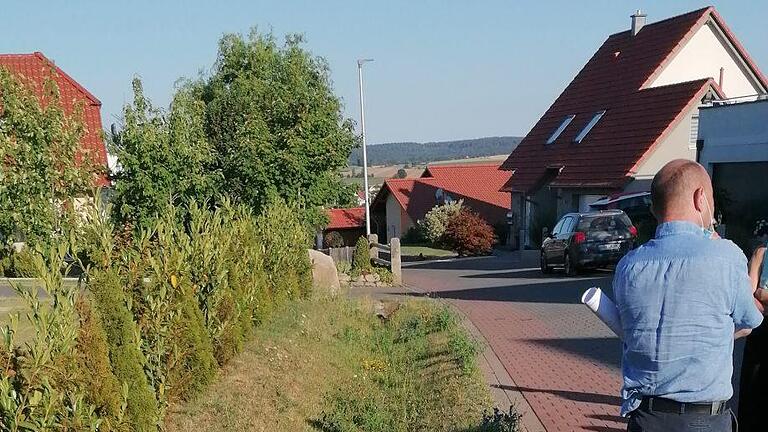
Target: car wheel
{"points": [[570, 267], [544, 265]]}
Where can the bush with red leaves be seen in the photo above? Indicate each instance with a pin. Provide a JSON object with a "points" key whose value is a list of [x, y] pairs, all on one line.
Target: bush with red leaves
{"points": [[469, 234]]}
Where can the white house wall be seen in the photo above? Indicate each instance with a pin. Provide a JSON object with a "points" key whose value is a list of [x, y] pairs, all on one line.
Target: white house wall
{"points": [[676, 145], [702, 57], [398, 221]]}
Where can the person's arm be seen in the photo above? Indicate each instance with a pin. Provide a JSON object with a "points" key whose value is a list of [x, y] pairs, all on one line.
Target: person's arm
{"points": [[755, 265], [745, 313]]}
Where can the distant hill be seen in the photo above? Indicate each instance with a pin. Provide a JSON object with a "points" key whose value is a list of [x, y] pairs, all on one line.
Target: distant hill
{"points": [[422, 153]]}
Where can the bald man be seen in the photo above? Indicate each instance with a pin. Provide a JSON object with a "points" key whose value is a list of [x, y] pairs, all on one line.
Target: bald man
{"points": [[682, 297]]}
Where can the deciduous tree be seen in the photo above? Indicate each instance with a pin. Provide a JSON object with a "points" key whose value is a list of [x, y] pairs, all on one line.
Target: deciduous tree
{"points": [[274, 122], [43, 166], [164, 158]]}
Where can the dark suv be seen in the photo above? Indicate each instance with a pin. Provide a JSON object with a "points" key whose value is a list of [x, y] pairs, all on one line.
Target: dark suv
{"points": [[581, 240]]}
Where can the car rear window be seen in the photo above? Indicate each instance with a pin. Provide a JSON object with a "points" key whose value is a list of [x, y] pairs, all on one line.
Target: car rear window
{"points": [[601, 226]]}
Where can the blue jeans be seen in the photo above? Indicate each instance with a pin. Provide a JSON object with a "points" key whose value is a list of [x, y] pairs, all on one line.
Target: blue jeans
{"points": [[644, 421]]}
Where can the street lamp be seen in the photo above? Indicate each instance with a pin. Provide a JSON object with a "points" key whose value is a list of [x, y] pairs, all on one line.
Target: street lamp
{"points": [[360, 63]]}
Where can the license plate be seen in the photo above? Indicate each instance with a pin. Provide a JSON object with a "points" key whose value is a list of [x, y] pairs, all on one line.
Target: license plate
{"points": [[610, 247]]}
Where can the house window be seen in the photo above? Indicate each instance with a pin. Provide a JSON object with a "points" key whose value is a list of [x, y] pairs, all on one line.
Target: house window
{"points": [[694, 136], [566, 121], [596, 118]]}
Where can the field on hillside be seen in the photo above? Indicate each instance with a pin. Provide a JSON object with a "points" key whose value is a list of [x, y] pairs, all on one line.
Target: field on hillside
{"points": [[380, 173]]}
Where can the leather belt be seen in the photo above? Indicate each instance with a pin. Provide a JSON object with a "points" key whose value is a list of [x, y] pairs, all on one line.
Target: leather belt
{"points": [[657, 404]]}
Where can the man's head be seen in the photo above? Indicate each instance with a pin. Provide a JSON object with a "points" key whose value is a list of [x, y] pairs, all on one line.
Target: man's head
{"points": [[682, 190]]}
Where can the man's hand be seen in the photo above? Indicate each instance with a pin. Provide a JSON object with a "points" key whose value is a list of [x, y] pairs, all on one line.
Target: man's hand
{"points": [[741, 333]]}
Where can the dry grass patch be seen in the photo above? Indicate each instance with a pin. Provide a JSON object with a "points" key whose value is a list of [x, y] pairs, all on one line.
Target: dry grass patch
{"points": [[332, 365]]}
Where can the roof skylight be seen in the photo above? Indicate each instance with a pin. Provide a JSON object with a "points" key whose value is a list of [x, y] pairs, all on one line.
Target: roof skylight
{"points": [[566, 121], [596, 118]]}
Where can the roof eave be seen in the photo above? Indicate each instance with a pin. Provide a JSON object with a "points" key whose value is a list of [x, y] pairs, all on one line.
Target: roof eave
{"points": [[93, 99]]}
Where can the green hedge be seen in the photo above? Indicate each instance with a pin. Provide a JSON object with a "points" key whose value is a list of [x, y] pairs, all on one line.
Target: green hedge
{"points": [[153, 318]]}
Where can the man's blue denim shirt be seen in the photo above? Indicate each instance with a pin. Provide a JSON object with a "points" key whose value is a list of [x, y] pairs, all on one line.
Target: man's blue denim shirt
{"points": [[680, 297]]}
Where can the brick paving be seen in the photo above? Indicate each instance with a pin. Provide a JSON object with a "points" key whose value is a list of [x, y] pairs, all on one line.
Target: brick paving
{"points": [[558, 355]]}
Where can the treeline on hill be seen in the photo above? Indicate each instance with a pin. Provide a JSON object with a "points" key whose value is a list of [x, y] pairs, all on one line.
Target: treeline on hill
{"points": [[421, 153], [207, 231]]}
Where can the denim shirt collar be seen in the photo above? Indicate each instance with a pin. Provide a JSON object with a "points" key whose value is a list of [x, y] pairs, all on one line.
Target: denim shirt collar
{"points": [[677, 227]]}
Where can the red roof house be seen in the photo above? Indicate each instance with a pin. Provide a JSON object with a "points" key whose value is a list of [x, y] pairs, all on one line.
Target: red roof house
{"points": [[632, 108], [346, 218], [402, 202], [34, 69], [348, 222]]}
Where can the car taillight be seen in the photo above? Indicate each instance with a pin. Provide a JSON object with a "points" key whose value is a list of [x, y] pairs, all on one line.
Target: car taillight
{"points": [[579, 237], [633, 231]]}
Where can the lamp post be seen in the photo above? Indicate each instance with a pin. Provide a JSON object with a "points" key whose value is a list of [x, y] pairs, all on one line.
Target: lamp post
{"points": [[360, 63]]}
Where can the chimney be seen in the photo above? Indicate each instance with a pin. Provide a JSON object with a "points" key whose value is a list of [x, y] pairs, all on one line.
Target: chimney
{"points": [[638, 21], [720, 81]]}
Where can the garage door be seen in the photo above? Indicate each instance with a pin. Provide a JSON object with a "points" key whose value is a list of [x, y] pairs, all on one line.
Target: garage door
{"points": [[741, 197]]}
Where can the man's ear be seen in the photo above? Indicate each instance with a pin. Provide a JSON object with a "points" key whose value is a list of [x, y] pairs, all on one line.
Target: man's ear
{"points": [[698, 200]]}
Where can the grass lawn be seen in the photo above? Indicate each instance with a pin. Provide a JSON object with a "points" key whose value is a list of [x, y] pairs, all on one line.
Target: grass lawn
{"points": [[415, 250], [11, 305], [332, 365]]}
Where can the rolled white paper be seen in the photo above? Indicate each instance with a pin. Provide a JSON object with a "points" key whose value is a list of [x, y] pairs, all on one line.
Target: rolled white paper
{"points": [[604, 308]]}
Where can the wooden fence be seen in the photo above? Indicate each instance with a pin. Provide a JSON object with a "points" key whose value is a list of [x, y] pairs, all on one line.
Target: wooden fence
{"points": [[342, 254]]}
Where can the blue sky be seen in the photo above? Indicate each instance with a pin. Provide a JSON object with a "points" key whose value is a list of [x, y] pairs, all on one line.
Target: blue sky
{"points": [[443, 70]]}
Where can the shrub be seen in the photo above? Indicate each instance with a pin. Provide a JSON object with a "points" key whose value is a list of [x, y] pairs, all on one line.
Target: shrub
{"points": [[100, 384], [286, 241], [361, 260], [436, 221], [344, 267], [40, 384], [501, 421], [124, 353], [414, 235], [385, 275], [192, 365], [18, 264], [161, 309], [468, 234], [334, 239]]}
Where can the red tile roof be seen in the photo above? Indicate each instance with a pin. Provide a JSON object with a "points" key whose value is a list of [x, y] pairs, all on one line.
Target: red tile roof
{"points": [[636, 117], [416, 196], [34, 69], [346, 218], [478, 185], [481, 182]]}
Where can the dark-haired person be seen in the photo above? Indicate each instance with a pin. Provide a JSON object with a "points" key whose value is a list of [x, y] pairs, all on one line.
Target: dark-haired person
{"points": [[753, 385], [682, 297]]}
